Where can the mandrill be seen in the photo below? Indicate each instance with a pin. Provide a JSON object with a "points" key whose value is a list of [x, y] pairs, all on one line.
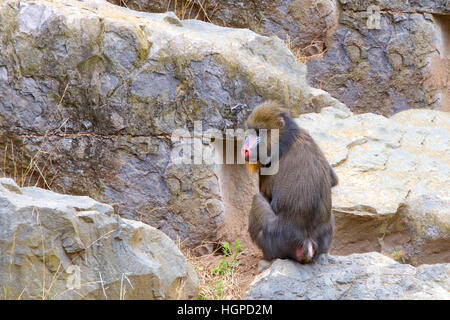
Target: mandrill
{"points": [[291, 215]]}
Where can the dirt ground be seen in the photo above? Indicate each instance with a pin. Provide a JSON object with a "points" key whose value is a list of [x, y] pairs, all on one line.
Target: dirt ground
{"points": [[233, 284]]}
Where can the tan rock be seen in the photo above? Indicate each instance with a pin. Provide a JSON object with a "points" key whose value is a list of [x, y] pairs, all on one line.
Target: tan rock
{"points": [[55, 246], [393, 172]]}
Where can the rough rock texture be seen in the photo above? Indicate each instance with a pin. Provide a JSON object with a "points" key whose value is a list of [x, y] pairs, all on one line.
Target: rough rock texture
{"points": [[306, 24], [403, 64], [358, 276], [393, 173], [430, 6], [91, 92], [48, 239]]}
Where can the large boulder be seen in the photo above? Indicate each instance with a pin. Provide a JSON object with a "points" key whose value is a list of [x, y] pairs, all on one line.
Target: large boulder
{"points": [[393, 172], [55, 246], [387, 56], [367, 276], [90, 94], [304, 24], [380, 56]]}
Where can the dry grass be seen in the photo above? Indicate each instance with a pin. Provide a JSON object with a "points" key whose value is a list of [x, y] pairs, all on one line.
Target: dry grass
{"points": [[300, 54], [32, 171], [27, 171], [23, 170], [186, 9], [229, 282], [199, 10]]}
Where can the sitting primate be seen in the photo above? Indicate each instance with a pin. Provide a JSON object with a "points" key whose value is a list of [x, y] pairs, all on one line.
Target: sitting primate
{"points": [[291, 215]]}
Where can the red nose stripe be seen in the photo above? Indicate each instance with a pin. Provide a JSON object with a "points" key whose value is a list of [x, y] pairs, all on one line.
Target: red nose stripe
{"points": [[248, 144], [245, 153]]}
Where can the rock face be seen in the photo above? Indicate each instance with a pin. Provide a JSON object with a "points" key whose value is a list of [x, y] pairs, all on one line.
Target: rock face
{"points": [[359, 276], [380, 56], [55, 246], [425, 6], [392, 173], [90, 94], [305, 24], [387, 59]]}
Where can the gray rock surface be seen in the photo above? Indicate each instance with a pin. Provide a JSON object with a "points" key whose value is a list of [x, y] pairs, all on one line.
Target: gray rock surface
{"points": [[55, 246], [392, 174], [434, 6], [305, 24], [403, 63], [368, 276], [90, 94]]}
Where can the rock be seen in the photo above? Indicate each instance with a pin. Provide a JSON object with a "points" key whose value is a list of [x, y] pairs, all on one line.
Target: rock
{"points": [[263, 265], [392, 174], [380, 56], [367, 276], [427, 220], [55, 246], [436, 6], [305, 24], [90, 94], [399, 63]]}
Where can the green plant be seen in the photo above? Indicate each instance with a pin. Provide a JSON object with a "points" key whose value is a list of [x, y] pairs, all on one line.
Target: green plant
{"points": [[219, 288], [396, 254], [98, 190], [259, 22], [226, 266], [225, 269], [224, 273]]}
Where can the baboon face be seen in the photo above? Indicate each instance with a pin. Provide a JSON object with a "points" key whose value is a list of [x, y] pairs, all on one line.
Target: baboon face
{"points": [[265, 122]]}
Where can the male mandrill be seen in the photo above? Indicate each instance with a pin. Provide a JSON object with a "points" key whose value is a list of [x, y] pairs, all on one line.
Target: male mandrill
{"points": [[291, 215]]}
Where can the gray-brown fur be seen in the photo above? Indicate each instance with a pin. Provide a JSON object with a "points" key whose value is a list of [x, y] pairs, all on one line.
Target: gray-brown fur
{"points": [[293, 207]]}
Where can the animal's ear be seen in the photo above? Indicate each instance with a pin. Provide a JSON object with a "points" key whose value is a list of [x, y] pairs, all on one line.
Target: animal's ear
{"points": [[281, 121]]}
